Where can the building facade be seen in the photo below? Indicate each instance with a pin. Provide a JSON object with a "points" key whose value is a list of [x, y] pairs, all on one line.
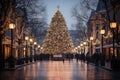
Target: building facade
{"points": [[98, 21]]}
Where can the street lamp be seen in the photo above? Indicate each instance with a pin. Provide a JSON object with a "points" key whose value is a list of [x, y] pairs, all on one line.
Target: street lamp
{"points": [[102, 59], [81, 47], [84, 43], [11, 58], [31, 41], [113, 25], [102, 32], [91, 39], [26, 53], [11, 27], [76, 49], [41, 49], [38, 48], [26, 38], [35, 43]]}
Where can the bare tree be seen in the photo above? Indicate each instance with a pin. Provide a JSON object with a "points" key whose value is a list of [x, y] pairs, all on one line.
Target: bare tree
{"points": [[81, 13], [6, 9], [37, 18], [8, 13], [33, 17], [35, 13], [37, 26]]}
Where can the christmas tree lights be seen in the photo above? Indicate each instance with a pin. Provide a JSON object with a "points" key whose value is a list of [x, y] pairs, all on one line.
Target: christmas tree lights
{"points": [[58, 39]]}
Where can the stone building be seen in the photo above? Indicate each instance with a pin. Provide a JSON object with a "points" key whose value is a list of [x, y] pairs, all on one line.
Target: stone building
{"points": [[99, 20]]}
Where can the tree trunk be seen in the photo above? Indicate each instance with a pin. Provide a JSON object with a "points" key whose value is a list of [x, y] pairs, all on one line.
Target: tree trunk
{"points": [[19, 49], [2, 61]]}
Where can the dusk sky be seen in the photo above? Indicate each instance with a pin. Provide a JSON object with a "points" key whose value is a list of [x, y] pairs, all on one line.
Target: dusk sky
{"points": [[65, 8]]}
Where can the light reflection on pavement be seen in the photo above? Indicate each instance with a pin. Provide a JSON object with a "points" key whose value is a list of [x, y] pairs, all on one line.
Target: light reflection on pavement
{"points": [[57, 70]]}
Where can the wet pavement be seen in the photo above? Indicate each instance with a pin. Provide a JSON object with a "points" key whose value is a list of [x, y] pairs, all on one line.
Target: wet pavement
{"points": [[57, 70]]}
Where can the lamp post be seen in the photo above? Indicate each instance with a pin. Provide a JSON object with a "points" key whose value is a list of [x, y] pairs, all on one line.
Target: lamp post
{"points": [[41, 49], [26, 53], [84, 43], [102, 57], [35, 43], [81, 47], [11, 59], [76, 50], [38, 48], [31, 41], [113, 25], [88, 44], [91, 39], [102, 32], [114, 62]]}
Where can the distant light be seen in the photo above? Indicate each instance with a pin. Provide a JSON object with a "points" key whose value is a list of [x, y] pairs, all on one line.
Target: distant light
{"points": [[35, 43], [91, 38], [113, 25], [38, 46], [84, 43], [78, 46], [41, 47], [31, 40], [11, 26], [81, 45], [102, 31], [26, 38], [24, 49]]}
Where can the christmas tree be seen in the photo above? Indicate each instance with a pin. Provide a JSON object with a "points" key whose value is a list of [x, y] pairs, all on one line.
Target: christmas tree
{"points": [[58, 39]]}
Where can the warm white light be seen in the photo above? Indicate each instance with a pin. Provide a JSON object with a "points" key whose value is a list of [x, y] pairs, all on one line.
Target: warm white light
{"points": [[84, 43], [24, 49], [31, 40], [78, 46], [91, 38], [102, 31], [113, 25], [26, 38], [41, 47], [38, 46], [35, 43], [11, 26], [81, 44]]}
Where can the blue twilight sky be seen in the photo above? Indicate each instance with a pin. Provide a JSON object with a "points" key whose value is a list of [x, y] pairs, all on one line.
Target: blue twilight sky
{"points": [[65, 8]]}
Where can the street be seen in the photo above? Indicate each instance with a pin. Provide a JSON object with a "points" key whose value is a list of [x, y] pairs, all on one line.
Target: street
{"points": [[59, 70]]}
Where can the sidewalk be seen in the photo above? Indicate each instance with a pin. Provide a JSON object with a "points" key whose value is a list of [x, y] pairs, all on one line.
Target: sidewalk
{"points": [[18, 66], [107, 66]]}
